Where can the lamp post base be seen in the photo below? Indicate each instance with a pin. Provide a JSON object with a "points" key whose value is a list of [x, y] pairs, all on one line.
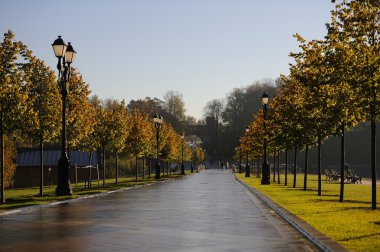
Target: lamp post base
{"points": [[265, 180], [158, 172], [63, 187]]}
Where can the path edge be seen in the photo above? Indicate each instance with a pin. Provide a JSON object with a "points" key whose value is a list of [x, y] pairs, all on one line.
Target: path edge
{"points": [[323, 242], [68, 201]]}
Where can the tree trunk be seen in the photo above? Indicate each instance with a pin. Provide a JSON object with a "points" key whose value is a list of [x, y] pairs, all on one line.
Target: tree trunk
{"points": [[295, 168], [252, 165], [319, 167], [143, 167], [373, 162], [274, 166], [136, 169], [259, 168], [278, 166], [342, 161], [150, 167], [104, 164], [306, 168], [163, 168], [286, 167], [117, 167], [90, 170], [41, 165], [2, 199]]}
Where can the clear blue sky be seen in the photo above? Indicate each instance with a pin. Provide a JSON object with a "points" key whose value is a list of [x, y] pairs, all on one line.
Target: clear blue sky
{"points": [[201, 48]]}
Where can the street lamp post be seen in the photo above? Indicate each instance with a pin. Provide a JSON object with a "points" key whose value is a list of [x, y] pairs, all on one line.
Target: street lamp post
{"points": [[66, 55], [158, 120], [265, 180], [247, 168], [182, 165]]}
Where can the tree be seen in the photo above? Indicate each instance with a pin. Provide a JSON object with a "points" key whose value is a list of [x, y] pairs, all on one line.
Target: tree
{"points": [[9, 160], [214, 108], [151, 106], [313, 72], [175, 105], [79, 117], [355, 29], [137, 142], [91, 142], [44, 105], [171, 145], [345, 101], [120, 125], [13, 93]]}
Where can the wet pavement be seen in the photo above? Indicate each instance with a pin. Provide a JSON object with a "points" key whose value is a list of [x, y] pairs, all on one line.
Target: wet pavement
{"points": [[209, 211]]}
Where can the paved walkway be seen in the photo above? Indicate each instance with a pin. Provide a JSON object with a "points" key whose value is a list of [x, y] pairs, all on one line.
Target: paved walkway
{"points": [[209, 211]]}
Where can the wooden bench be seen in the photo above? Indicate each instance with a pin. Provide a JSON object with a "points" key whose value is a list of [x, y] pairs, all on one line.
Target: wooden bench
{"points": [[328, 174], [335, 176], [352, 177]]}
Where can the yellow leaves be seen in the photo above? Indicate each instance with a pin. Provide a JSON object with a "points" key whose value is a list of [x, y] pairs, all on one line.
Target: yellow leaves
{"points": [[79, 116], [140, 137]]}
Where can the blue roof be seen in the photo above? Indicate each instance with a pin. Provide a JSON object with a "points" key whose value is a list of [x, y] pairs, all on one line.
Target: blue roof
{"points": [[51, 157]]}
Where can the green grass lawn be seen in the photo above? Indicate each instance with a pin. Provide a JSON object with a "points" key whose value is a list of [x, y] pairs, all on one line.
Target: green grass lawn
{"points": [[22, 197], [352, 223]]}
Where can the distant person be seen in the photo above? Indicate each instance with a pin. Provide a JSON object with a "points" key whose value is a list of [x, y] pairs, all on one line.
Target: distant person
{"points": [[233, 168], [227, 165], [222, 165]]}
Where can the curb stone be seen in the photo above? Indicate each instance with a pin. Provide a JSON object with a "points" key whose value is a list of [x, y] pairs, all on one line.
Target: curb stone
{"points": [[323, 242], [68, 201]]}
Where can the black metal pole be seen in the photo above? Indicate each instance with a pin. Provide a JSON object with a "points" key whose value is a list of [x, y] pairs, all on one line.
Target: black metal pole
{"points": [[41, 164], [158, 172], [274, 166], [247, 168], [295, 168], [286, 167], [117, 168], [278, 166], [252, 164], [306, 168], [265, 180], [104, 164], [143, 167], [319, 167], [373, 162], [136, 170], [342, 161], [63, 186], [182, 165], [150, 166]]}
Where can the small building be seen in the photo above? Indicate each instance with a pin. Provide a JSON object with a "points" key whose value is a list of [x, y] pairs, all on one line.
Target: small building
{"points": [[28, 166]]}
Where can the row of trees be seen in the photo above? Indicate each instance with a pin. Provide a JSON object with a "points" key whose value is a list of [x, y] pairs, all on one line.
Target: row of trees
{"points": [[30, 107], [232, 114], [333, 85]]}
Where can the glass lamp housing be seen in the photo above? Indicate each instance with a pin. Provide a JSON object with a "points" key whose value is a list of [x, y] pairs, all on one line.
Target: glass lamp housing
{"points": [[264, 99], [70, 54], [59, 47]]}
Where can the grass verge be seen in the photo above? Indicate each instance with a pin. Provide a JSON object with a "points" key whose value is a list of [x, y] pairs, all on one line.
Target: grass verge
{"points": [[352, 223], [22, 197]]}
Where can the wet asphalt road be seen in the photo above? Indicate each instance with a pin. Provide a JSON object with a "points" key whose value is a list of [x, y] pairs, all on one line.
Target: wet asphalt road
{"points": [[209, 211]]}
